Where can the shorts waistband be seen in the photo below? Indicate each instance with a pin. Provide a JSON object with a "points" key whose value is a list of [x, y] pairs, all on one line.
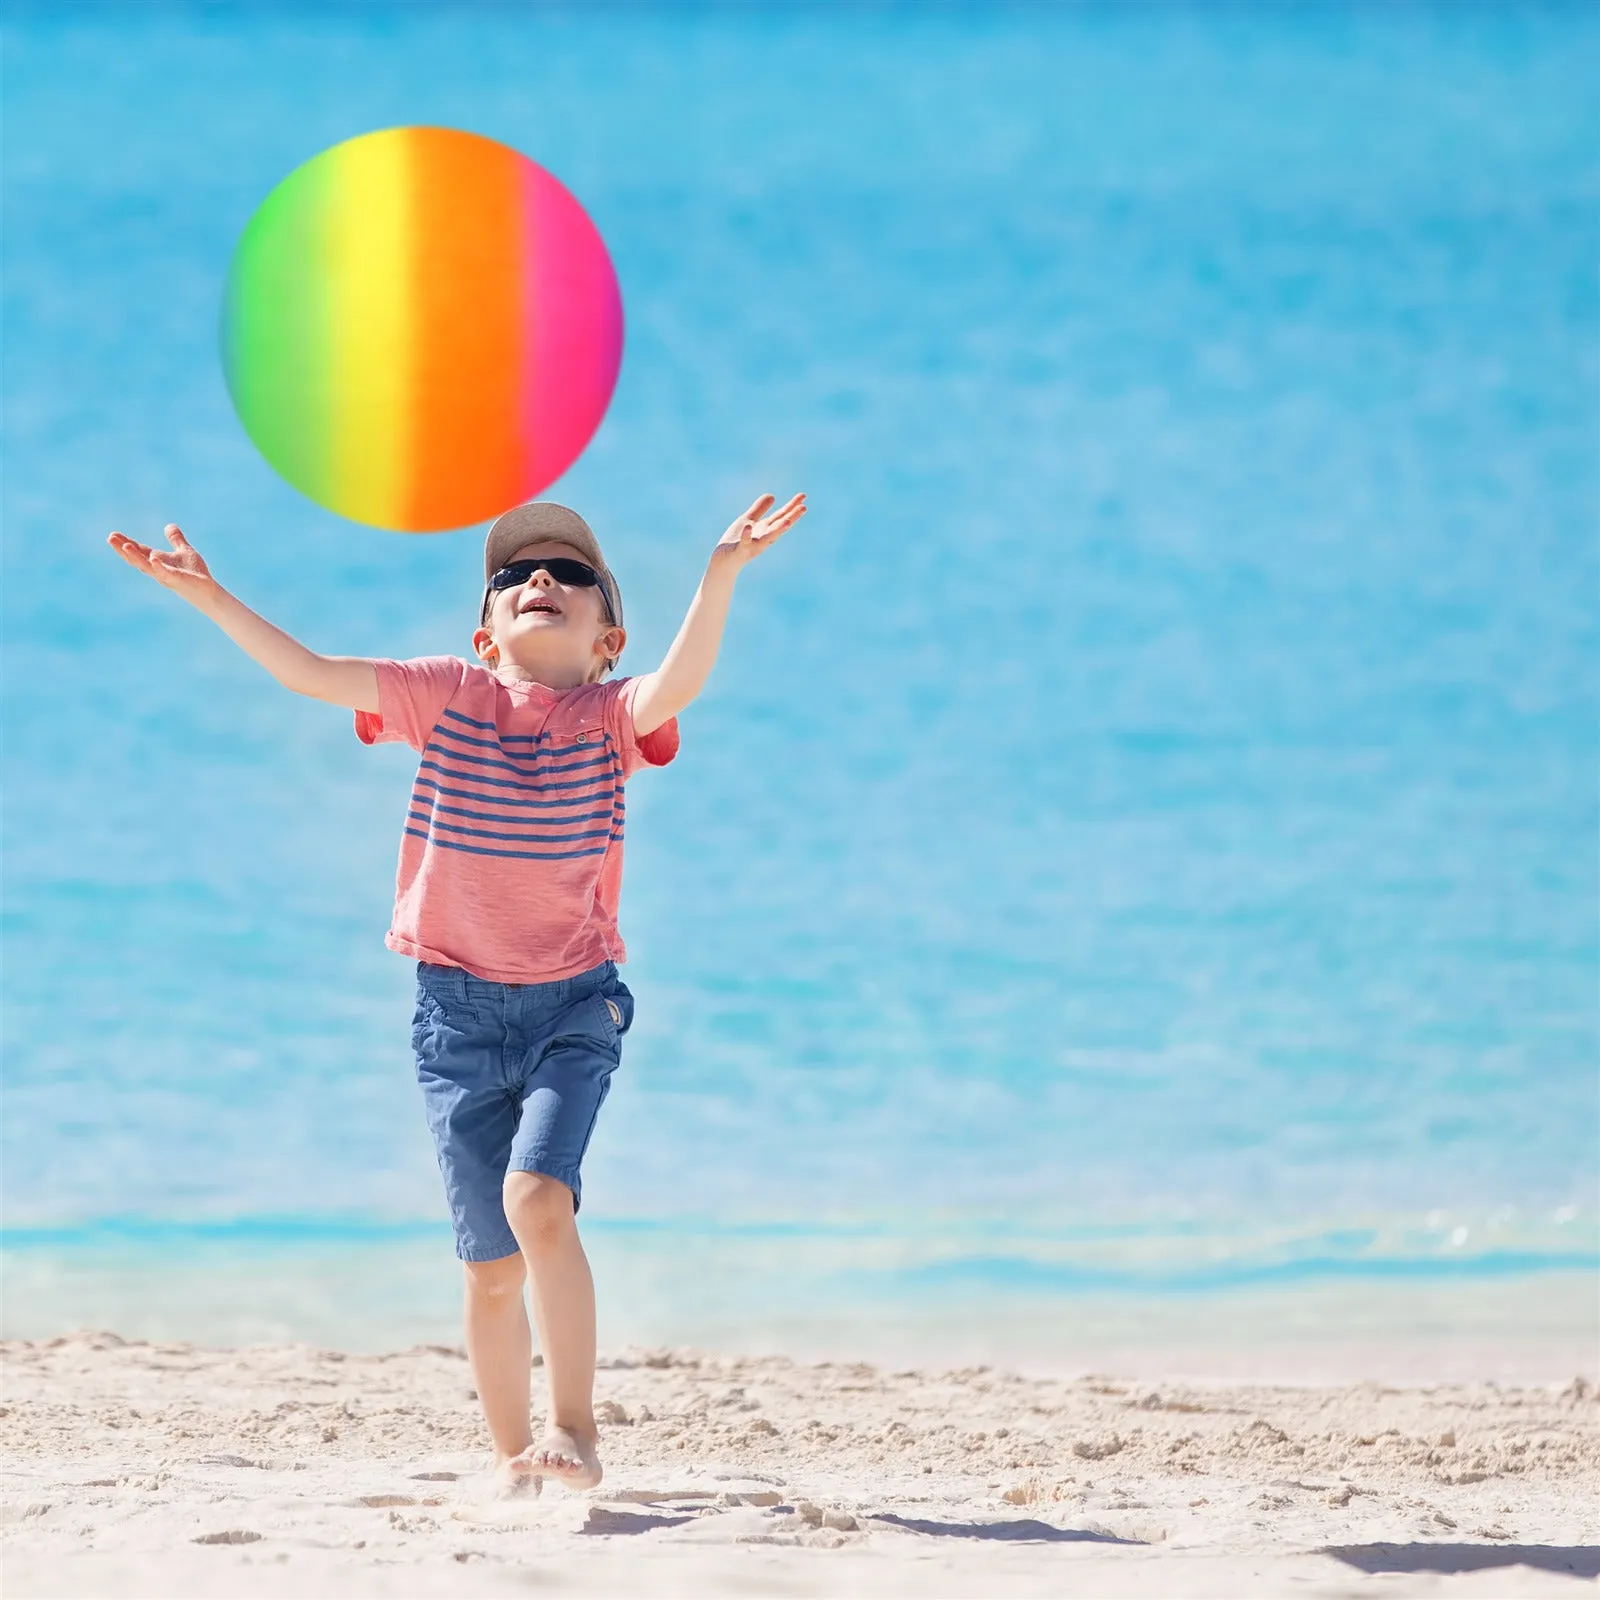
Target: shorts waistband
{"points": [[464, 985]]}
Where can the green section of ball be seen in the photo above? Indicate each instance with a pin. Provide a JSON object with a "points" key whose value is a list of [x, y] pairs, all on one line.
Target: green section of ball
{"points": [[275, 330]]}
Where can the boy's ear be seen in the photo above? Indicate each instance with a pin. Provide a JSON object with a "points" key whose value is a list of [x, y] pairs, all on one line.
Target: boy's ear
{"points": [[484, 646], [612, 641]]}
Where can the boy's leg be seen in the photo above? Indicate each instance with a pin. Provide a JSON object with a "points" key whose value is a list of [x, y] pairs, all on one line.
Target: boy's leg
{"points": [[500, 1350], [458, 1034], [540, 1212], [572, 1053]]}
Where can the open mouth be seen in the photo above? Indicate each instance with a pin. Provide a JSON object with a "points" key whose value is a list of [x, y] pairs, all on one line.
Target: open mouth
{"points": [[544, 606]]}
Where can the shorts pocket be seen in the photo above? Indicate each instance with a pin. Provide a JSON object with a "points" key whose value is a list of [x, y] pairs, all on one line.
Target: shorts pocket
{"points": [[446, 1032], [424, 1025], [608, 1019], [618, 1000]]}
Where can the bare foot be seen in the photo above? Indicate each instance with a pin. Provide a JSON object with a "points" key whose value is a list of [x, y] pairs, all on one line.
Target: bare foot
{"points": [[516, 1475], [572, 1459]]}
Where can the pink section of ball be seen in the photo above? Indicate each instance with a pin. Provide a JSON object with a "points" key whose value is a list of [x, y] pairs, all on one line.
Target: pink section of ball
{"points": [[573, 318]]}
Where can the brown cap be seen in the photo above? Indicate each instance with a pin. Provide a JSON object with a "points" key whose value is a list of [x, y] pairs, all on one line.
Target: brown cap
{"points": [[542, 520]]}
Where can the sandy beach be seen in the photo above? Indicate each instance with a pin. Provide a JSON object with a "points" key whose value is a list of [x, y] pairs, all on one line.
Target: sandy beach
{"points": [[138, 1468]]}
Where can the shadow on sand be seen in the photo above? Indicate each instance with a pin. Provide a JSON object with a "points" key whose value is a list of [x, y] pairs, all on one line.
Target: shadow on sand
{"points": [[1580, 1561], [1021, 1529], [602, 1519]]}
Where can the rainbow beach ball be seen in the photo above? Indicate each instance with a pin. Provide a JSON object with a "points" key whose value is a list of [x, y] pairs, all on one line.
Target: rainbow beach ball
{"points": [[421, 328]]}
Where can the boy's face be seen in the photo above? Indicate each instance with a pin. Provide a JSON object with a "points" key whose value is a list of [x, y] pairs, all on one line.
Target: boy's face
{"points": [[556, 633]]}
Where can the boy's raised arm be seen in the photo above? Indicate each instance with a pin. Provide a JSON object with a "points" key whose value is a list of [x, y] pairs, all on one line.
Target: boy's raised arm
{"points": [[341, 680], [662, 694]]}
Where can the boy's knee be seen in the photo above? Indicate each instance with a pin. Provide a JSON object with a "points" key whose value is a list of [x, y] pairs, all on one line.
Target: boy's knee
{"points": [[538, 1208], [495, 1280]]}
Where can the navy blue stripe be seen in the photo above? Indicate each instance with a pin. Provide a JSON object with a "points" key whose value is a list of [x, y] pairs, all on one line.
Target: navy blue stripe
{"points": [[473, 722], [510, 838], [500, 783], [612, 813], [511, 800], [601, 746], [517, 855], [507, 738], [543, 762]]}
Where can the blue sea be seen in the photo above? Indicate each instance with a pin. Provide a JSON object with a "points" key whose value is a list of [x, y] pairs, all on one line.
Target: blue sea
{"points": [[1134, 867]]}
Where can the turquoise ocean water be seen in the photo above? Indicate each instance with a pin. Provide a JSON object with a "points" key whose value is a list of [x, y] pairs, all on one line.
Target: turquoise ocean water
{"points": [[1137, 854]]}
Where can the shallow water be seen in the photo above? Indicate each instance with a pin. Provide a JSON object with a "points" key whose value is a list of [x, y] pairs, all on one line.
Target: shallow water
{"points": [[1152, 792]]}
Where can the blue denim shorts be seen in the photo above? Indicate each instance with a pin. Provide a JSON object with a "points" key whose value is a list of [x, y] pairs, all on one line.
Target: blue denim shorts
{"points": [[513, 1076]]}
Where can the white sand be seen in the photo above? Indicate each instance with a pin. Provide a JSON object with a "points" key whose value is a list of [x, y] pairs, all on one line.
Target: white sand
{"points": [[138, 1469]]}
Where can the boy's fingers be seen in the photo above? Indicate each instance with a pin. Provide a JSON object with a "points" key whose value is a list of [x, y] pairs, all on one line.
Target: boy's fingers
{"points": [[786, 514], [175, 536], [784, 520], [154, 563], [794, 503]]}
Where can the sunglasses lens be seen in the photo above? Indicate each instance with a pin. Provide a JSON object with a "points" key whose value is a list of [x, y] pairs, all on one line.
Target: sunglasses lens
{"points": [[561, 568], [578, 572]]}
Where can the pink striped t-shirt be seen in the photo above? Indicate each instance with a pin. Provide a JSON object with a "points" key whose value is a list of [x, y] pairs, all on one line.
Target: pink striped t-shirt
{"points": [[511, 860]]}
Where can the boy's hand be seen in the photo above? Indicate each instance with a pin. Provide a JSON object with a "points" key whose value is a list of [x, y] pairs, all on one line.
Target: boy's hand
{"points": [[340, 680], [180, 569], [756, 531], [662, 694]]}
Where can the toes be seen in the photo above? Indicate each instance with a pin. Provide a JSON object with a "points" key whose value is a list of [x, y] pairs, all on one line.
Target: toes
{"points": [[560, 1461], [517, 1475]]}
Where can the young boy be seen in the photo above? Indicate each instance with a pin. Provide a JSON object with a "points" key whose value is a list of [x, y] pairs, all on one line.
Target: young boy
{"points": [[506, 895]]}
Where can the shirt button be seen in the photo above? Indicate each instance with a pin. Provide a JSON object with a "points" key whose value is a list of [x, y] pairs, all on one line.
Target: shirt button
{"points": [[583, 738]]}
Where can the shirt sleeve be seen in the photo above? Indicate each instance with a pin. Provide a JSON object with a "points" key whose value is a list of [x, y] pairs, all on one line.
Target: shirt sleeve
{"points": [[655, 749], [412, 696]]}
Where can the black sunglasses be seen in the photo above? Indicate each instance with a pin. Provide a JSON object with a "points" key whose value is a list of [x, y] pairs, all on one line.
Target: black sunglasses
{"points": [[577, 574]]}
